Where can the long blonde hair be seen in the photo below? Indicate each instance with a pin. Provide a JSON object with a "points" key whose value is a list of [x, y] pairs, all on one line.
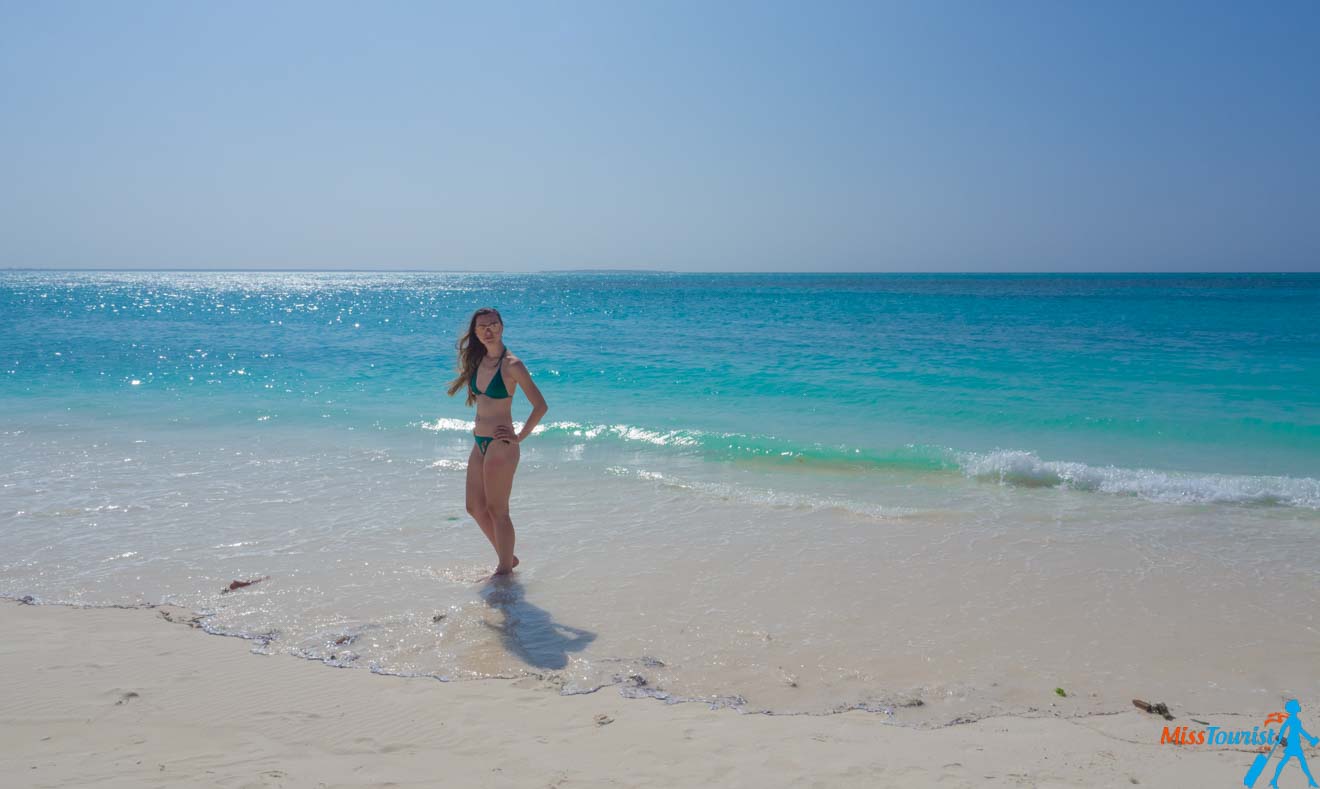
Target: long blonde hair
{"points": [[470, 353]]}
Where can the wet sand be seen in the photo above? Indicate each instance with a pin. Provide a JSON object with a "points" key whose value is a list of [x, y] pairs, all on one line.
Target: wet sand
{"points": [[136, 697]]}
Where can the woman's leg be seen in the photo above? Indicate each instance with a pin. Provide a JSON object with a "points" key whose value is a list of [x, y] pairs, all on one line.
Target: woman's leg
{"points": [[1310, 779], [497, 470], [476, 496], [1275, 780]]}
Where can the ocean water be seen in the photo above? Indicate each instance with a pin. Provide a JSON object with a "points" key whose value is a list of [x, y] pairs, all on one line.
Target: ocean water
{"points": [[933, 497]]}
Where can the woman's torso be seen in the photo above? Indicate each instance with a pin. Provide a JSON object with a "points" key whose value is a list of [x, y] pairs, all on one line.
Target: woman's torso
{"points": [[493, 412]]}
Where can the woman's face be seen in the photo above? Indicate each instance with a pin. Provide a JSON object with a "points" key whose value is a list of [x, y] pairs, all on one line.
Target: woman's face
{"points": [[489, 329]]}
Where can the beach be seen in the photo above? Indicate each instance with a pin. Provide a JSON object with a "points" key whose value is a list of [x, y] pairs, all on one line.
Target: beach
{"points": [[659, 395], [126, 697], [968, 528]]}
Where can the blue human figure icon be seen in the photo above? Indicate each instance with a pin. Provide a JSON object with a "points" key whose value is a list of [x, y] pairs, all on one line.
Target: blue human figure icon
{"points": [[1293, 731]]}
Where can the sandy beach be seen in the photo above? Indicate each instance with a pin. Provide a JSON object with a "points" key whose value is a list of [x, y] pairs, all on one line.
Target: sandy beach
{"points": [[137, 697], [878, 394], [958, 569]]}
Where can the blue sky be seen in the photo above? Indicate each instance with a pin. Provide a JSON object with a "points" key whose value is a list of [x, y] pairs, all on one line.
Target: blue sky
{"points": [[958, 136]]}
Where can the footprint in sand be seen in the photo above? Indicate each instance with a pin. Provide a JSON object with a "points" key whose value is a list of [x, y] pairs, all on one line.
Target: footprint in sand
{"points": [[267, 778]]}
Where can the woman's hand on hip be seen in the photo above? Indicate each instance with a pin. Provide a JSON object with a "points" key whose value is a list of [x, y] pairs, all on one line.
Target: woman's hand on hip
{"points": [[505, 433]]}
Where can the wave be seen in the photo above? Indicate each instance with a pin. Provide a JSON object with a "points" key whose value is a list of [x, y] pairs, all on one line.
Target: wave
{"points": [[1025, 469], [1011, 467], [444, 424], [676, 438], [775, 499], [731, 446]]}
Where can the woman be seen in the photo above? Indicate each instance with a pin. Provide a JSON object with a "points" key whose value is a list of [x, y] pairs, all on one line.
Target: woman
{"points": [[491, 375], [1291, 735]]}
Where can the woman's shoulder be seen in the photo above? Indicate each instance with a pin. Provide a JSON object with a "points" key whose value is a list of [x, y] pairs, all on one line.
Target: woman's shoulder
{"points": [[513, 360]]}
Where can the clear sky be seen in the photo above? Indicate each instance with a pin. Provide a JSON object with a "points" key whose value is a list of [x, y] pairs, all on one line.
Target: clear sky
{"points": [[728, 136]]}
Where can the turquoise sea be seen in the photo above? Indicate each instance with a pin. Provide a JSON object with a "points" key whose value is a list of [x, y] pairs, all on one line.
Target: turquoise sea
{"points": [[783, 492]]}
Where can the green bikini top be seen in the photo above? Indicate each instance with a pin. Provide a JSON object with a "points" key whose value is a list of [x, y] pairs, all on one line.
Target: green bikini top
{"points": [[495, 389]]}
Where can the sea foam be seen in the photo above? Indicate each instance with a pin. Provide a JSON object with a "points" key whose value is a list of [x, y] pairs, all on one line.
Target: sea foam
{"points": [[1026, 469]]}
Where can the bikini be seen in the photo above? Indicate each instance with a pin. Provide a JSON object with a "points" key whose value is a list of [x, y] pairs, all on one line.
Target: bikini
{"points": [[495, 390]]}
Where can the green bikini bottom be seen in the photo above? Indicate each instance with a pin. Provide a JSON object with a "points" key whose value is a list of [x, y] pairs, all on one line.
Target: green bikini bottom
{"points": [[483, 442]]}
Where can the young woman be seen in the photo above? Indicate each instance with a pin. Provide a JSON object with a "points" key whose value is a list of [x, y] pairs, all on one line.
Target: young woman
{"points": [[491, 375]]}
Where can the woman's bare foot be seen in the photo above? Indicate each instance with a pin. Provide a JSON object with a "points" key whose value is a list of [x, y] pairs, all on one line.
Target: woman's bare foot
{"points": [[502, 571]]}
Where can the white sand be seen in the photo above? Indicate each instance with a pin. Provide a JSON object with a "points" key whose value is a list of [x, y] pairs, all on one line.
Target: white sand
{"points": [[122, 697]]}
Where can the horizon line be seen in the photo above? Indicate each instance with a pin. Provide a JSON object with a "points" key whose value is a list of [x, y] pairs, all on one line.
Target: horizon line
{"points": [[639, 271]]}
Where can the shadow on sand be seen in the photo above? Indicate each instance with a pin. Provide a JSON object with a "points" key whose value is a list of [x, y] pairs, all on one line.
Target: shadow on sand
{"points": [[528, 631]]}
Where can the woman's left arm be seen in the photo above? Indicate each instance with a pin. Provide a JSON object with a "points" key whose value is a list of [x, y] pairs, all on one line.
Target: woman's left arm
{"points": [[524, 379], [1307, 735]]}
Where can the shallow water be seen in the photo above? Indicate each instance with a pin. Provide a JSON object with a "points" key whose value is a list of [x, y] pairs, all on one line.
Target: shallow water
{"points": [[794, 494]]}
